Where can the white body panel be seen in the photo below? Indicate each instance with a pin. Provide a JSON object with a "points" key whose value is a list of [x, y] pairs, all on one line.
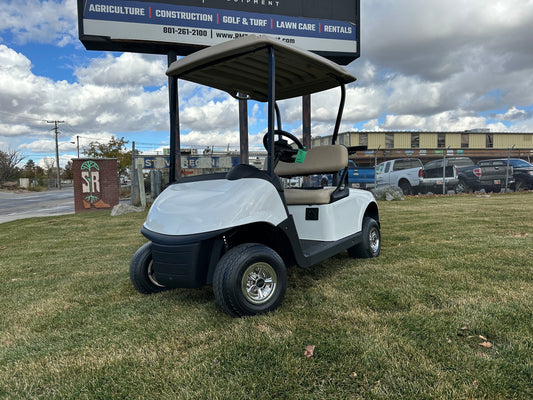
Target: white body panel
{"points": [[206, 206], [336, 220]]}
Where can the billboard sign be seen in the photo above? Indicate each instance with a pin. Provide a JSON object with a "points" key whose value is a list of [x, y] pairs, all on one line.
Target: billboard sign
{"points": [[329, 28]]}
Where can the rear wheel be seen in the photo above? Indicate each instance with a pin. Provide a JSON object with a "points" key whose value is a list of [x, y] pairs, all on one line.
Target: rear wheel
{"points": [[406, 188], [462, 187], [519, 185], [370, 247], [250, 279], [142, 273]]}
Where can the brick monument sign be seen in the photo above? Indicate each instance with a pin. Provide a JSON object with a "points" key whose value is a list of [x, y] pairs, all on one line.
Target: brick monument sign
{"points": [[96, 183]]}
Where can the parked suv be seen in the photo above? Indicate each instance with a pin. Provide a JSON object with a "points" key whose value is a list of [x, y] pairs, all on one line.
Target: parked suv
{"points": [[522, 173], [490, 175]]}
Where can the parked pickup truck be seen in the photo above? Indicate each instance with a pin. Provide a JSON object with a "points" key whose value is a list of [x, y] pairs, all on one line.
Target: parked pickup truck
{"points": [[522, 174], [358, 177], [403, 172], [432, 174], [489, 175]]}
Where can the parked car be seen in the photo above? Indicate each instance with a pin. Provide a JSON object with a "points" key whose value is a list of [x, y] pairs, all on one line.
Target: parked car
{"points": [[403, 172], [432, 174], [489, 175], [522, 173]]}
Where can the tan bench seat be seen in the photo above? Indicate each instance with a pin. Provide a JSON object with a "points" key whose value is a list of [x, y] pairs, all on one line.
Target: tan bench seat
{"points": [[308, 196], [318, 160]]}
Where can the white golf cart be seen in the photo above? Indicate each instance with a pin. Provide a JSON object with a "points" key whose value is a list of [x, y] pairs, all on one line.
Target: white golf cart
{"points": [[238, 231]]}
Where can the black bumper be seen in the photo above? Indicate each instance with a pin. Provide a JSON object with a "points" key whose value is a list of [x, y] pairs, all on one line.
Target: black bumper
{"points": [[184, 261]]}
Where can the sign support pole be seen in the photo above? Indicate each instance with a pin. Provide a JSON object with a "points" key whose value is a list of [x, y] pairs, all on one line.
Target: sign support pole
{"points": [[175, 156]]}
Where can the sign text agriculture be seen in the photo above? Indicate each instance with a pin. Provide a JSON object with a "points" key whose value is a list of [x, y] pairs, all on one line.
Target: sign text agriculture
{"points": [[330, 28]]}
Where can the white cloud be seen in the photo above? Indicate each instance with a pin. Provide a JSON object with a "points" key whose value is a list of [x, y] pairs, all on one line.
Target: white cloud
{"points": [[128, 69], [49, 22], [90, 106], [515, 114], [218, 116]]}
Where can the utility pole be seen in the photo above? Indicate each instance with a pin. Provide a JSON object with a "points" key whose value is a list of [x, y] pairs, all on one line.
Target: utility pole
{"points": [[56, 130]]}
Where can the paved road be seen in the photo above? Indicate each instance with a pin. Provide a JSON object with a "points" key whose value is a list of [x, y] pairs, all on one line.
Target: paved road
{"points": [[35, 204]]}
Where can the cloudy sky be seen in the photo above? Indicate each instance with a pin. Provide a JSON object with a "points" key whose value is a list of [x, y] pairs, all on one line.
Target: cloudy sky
{"points": [[424, 65]]}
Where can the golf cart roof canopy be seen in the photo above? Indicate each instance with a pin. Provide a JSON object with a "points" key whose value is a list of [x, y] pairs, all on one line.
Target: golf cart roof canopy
{"points": [[240, 68]]}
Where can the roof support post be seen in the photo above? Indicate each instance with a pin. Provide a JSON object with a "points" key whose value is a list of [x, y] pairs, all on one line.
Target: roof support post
{"points": [[271, 107], [339, 115], [306, 121], [243, 130], [175, 155]]}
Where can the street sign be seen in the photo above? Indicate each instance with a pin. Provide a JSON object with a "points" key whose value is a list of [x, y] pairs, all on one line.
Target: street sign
{"points": [[188, 162], [328, 28]]}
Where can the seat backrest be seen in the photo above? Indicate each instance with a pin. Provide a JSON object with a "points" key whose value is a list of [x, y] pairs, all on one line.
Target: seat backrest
{"points": [[318, 160]]}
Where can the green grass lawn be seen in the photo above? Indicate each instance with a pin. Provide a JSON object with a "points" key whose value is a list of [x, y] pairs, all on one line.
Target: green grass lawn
{"points": [[445, 312]]}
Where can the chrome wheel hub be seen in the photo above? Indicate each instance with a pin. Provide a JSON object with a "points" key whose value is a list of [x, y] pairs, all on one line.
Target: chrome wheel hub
{"points": [[373, 239], [151, 274], [259, 283]]}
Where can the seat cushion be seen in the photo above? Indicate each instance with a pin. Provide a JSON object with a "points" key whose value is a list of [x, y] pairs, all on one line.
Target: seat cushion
{"points": [[318, 160], [308, 196]]}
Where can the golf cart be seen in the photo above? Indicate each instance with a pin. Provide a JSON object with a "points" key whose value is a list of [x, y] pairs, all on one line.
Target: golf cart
{"points": [[237, 231]]}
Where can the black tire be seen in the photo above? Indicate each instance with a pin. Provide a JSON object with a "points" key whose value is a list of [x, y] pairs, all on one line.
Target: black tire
{"points": [[405, 187], [462, 187], [370, 247], [519, 185], [250, 279], [141, 272]]}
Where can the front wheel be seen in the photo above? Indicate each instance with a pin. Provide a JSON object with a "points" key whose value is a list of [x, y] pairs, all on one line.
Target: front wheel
{"points": [[250, 279], [370, 247], [142, 273]]}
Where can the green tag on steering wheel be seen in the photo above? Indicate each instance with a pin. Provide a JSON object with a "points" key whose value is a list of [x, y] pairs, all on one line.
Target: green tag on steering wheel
{"points": [[300, 156]]}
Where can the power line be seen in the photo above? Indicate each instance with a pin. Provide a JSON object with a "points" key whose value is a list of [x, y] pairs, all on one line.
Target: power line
{"points": [[6, 113]]}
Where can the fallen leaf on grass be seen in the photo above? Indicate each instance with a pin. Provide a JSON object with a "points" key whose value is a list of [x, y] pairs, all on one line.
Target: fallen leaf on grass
{"points": [[482, 337], [3, 247], [309, 351], [486, 345]]}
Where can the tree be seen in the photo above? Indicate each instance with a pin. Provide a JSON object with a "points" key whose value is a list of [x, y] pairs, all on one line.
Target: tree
{"points": [[9, 161], [115, 148], [29, 170], [67, 171]]}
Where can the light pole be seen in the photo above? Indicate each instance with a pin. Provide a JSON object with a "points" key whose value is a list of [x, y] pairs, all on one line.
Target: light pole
{"points": [[375, 165], [507, 169], [77, 142], [444, 171]]}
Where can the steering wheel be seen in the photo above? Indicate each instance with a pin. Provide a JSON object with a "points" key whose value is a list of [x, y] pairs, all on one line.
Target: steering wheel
{"points": [[282, 149]]}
